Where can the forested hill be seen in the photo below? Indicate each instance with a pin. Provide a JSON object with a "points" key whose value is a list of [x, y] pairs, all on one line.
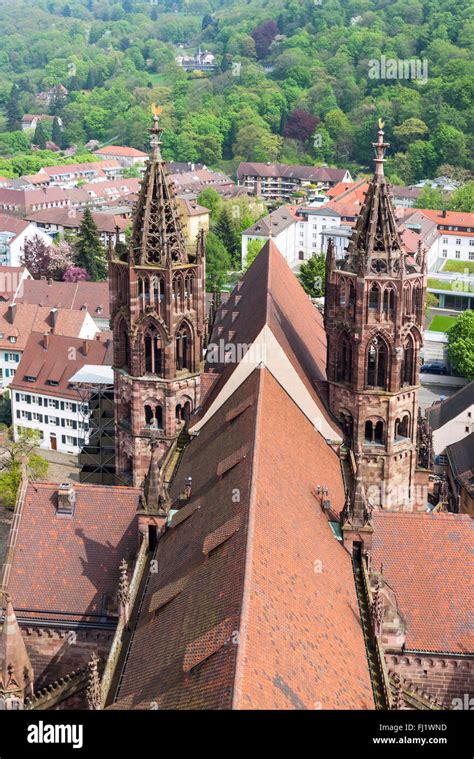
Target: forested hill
{"points": [[301, 81]]}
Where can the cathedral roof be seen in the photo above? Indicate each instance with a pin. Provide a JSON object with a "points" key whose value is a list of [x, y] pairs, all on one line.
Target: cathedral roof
{"points": [[64, 567], [254, 605], [427, 562], [270, 311]]}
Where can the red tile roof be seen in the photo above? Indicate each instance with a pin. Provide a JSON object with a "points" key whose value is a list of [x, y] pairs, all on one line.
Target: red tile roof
{"points": [[121, 150], [451, 218], [316, 173], [71, 218], [427, 562], [58, 363], [269, 294], [349, 192], [249, 622], [63, 566], [91, 296], [13, 224], [30, 318]]}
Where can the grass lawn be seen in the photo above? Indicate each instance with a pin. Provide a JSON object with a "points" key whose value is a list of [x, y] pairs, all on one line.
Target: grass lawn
{"points": [[442, 323], [439, 284], [459, 266]]}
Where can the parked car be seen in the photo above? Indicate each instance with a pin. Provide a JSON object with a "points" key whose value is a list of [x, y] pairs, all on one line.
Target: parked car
{"points": [[434, 369]]}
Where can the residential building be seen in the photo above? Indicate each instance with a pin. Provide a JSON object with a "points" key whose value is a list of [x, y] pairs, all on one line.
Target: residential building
{"points": [[125, 156], [43, 398], [57, 92], [56, 221], [194, 182], [22, 202], [31, 120], [451, 420], [202, 61], [455, 235], [281, 225], [90, 297], [18, 320], [68, 175], [460, 468], [14, 232], [194, 217], [277, 181], [111, 191]]}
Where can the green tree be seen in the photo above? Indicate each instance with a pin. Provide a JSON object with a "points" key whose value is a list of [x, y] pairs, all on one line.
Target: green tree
{"points": [[463, 198], [217, 263], [253, 249], [14, 111], [461, 344], [89, 252], [16, 455], [312, 275], [431, 197], [56, 133], [210, 199], [432, 301], [40, 136], [225, 230]]}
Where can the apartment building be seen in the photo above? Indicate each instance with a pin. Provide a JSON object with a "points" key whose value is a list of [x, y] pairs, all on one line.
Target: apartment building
{"points": [[43, 397], [279, 181]]}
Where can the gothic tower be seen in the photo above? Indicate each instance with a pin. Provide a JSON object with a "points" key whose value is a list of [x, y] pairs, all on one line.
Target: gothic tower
{"points": [[157, 294], [374, 317]]}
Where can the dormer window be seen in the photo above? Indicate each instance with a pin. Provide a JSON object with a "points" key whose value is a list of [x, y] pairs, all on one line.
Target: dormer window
{"points": [[12, 339]]}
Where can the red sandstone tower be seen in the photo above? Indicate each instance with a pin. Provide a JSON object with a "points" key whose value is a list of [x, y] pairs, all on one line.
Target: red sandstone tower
{"points": [[374, 313], [157, 293]]}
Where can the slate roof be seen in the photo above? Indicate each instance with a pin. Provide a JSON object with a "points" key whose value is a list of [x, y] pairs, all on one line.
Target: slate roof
{"points": [[278, 220], [443, 412], [237, 615], [428, 563], [461, 460], [63, 566]]}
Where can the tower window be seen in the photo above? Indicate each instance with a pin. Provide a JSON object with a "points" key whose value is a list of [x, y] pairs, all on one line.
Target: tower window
{"points": [[153, 351], [183, 348], [389, 302], [408, 362], [344, 359], [374, 432], [374, 297], [377, 364]]}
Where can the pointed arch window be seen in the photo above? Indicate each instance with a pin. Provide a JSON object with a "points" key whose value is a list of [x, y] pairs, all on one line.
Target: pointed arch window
{"points": [[351, 300], [157, 292], [189, 291], [407, 369], [389, 302], [418, 302], [154, 350], [123, 357], [183, 348], [344, 358], [374, 297], [377, 363], [407, 303]]}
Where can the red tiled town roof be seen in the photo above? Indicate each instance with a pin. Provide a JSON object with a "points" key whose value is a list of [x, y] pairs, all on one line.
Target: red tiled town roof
{"points": [[427, 562], [12, 224], [65, 567], [29, 317], [450, 218], [70, 353], [349, 192], [70, 218], [316, 173], [245, 619], [90, 296], [121, 150]]}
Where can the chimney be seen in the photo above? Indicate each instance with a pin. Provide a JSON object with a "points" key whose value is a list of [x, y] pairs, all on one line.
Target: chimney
{"points": [[85, 347], [53, 318], [444, 213], [50, 281], [66, 499], [46, 341], [188, 484], [11, 312]]}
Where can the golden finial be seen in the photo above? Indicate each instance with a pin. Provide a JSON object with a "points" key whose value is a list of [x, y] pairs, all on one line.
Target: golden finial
{"points": [[156, 109], [381, 123]]}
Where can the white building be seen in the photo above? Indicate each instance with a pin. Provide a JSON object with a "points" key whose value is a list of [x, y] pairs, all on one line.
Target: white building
{"points": [[44, 398], [124, 155], [13, 234], [452, 420]]}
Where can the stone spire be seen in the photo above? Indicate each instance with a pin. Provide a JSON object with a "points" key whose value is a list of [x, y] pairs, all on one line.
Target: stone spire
{"points": [[157, 238], [123, 593], [375, 246], [16, 672], [93, 693], [357, 512], [157, 499]]}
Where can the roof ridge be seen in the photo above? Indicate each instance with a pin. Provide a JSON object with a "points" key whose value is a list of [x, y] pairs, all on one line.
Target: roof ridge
{"points": [[239, 662]]}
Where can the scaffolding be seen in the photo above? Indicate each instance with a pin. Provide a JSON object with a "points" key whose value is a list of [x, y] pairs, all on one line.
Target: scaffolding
{"points": [[95, 389]]}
